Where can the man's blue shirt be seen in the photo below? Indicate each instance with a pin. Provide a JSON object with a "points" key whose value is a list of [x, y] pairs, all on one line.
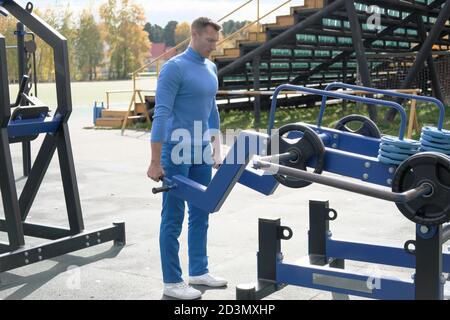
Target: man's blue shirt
{"points": [[186, 94]]}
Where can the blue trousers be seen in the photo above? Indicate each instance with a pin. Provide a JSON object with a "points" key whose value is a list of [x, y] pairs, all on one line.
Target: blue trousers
{"points": [[172, 217]]}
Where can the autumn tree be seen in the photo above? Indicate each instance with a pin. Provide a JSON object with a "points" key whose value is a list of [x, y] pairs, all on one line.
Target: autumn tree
{"points": [[182, 32], [65, 25], [44, 54], [89, 46], [7, 28], [128, 43]]}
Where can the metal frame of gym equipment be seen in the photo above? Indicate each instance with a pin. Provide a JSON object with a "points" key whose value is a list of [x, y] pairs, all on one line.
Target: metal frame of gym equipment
{"points": [[345, 153], [24, 50], [23, 124], [320, 269], [323, 268]]}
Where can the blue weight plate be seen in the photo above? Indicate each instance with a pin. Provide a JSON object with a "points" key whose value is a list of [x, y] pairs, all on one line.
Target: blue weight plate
{"points": [[434, 132], [427, 136], [393, 149], [405, 143], [388, 160], [435, 145], [394, 156], [425, 148]]}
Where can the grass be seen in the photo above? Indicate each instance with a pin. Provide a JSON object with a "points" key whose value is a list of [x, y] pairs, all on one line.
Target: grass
{"points": [[427, 115]]}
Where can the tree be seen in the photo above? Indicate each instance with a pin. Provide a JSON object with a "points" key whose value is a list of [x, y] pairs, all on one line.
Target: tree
{"points": [[62, 21], [66, 27], [182, 32], [89, 46], [128, 43], [231, 26], [7, 28], [169, 33], [155, 32], [44, 54]]}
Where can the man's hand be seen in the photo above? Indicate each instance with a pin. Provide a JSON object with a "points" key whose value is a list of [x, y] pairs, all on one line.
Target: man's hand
{"points": [[217, 151], [155, 171], [217, 158]]}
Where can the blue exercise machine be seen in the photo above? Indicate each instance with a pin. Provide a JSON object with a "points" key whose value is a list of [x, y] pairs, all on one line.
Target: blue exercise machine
{"points": [[391, 168], [420, 185]]}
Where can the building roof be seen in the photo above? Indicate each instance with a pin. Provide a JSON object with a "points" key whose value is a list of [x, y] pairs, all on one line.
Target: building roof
{"points": [[159, 48]]}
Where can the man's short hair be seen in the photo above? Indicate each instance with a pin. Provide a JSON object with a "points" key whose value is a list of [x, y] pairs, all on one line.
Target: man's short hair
{"points": [[201, 23]]}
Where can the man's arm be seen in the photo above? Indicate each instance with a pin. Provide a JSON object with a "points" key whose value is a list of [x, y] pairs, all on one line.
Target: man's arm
{"points": [[155, 170], [166, 91], [214, 127]]}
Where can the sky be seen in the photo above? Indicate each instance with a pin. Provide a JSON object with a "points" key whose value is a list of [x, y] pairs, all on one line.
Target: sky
{"points": [[161, 11]]}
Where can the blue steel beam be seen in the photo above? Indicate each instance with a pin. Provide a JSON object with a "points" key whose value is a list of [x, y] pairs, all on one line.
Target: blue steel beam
{"points": [[388, 255], [432, 100], [210, 198], [323, 93], [22, 128], [344, 141], [345, 282]]}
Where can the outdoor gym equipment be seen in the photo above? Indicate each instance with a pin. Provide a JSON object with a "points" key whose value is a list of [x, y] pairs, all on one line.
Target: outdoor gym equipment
{"points": [[419, 184], [30, 118], [420, 189]]}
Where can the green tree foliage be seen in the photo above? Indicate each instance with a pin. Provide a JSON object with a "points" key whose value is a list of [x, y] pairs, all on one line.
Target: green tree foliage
{"points": [[128, 43], [155, 32], [89, 46], [169, 33], [230, 26]]}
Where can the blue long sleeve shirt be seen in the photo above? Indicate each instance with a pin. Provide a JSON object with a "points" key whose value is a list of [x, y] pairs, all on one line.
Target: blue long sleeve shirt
{"points": [[186, 99]]}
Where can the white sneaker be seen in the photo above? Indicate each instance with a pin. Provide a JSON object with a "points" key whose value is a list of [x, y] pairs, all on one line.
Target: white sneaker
{"points": [[181, 291], [209, 280]]}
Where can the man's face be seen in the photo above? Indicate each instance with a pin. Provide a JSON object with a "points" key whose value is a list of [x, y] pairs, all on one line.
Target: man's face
{"points": [[204, 42]]}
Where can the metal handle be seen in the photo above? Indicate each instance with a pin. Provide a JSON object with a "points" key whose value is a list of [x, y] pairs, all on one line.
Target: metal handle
{"points": [[280, 157], [343, 96], [161, 189], [167, 186], [433, 100], [342, 184]]}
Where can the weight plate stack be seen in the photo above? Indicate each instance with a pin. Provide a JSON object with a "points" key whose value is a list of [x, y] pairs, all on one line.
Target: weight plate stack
{"points": [[394, 151], [435, 140]]}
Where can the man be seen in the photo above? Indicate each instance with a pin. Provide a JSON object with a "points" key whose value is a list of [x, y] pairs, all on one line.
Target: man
{"points": [[185, 100]]}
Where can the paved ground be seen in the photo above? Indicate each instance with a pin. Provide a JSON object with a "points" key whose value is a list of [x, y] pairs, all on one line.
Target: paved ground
{"points": [[111, 172]]}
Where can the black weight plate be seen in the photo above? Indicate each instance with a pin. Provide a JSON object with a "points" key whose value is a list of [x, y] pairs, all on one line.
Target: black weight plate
{"points": [[427, 167], [307, 147], [368, 127]]}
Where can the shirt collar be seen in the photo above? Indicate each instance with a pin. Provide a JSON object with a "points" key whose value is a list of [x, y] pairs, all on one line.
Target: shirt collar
{"points": [[190, 52]]}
